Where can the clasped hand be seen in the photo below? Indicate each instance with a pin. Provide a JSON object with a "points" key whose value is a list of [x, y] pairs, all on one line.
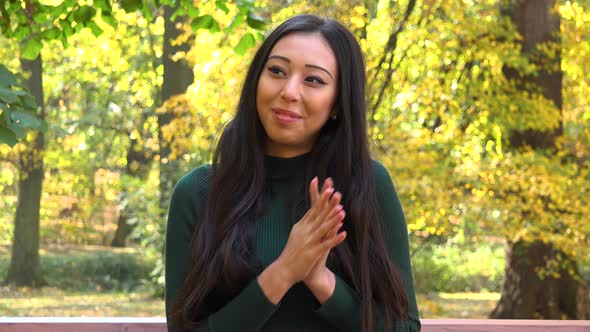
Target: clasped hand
{"points": [[311, 239]]}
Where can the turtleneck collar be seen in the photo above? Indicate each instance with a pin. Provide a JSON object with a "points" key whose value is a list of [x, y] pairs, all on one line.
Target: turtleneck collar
{"points": [[284, 168]]}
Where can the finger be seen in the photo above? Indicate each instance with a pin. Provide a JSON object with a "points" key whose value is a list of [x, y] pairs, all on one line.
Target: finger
{"points": [[328, 209], [313, 191], [323, 203], [328, 183], [334, 211], [306, 217], [316, 216], [336, 240], [333, 231], [324, 230]]}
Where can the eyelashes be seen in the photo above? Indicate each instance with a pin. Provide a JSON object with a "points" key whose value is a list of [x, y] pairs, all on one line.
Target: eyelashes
{"points": [[317, 79], [276, 70]]}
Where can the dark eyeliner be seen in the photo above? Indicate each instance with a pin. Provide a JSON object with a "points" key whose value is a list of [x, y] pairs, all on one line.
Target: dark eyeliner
{"points": [[318, 79]]}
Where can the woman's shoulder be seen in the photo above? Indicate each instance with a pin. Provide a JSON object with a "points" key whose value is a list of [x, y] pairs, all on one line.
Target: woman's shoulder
{"points": [[382, 179], [194, 182], [379, 171]]}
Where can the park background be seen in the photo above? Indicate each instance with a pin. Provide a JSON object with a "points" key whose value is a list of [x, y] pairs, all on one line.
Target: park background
{"points": [[478, 109]]}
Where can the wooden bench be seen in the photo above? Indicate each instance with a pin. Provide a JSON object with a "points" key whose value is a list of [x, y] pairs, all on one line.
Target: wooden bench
{"points": [[158, 324]]}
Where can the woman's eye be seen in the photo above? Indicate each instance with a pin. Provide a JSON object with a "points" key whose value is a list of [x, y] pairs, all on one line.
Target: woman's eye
{"points": [[276, 70], [315, 79]]}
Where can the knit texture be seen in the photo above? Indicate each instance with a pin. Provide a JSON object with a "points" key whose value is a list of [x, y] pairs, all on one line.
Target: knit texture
{"points": [[250, 310]]}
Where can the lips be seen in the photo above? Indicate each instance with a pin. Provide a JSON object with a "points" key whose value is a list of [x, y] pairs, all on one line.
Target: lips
{"points": [[285, 113]]}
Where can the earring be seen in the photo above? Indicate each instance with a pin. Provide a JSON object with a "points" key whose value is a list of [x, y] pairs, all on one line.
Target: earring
{"points": [[333, 115]]}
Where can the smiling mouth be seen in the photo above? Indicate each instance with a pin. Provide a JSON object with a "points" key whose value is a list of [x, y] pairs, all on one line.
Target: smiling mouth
{"points": [[279, 111], [284, 116]]}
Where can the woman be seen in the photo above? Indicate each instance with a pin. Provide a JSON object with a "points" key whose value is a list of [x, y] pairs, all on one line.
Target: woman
{"points": [[253, 243]]}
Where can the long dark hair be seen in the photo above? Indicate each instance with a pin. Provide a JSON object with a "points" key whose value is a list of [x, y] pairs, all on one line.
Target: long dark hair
{"points": [[223, 252]]}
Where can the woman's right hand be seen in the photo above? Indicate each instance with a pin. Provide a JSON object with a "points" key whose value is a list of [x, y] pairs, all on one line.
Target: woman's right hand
{"points": [[309, 240], [306, 246]]}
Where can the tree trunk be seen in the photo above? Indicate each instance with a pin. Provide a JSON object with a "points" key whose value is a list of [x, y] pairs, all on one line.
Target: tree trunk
{"points": [[525, 293], [138, 166], [178, 75], [25, 266]]}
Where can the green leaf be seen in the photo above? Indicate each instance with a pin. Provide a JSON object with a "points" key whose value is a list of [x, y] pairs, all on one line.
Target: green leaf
{"points": [[215, 27], [29, 102], [43, 126], [40, 17], [50, 34], [147, 13], [32, 49], [8, 96], [96, 30], [64, 40], [260, 36], [192, 11], [255, 21], [108, 18], [66, 27], [22, 32], [178, 12], [6, 77], [221, 4], [235, 22], [19, 131], [84, 14], [246, 42], [25, 119], [78, 27], [202, 22], [102, 4], [64, 24], [7, 136], [131, 6]]}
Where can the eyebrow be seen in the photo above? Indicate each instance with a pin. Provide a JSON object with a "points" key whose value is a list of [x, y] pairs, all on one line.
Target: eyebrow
{"points": [[307, 65]]}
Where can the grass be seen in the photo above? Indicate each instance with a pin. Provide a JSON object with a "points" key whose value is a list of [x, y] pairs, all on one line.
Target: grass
{"points": [[457, 305], [95, 281], [54, 302]]}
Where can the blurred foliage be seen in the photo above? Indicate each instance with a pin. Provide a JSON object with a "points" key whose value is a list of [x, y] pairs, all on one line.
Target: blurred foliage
{"points": [[32, 24], [94, 270], [444, 113], [454, 268]]}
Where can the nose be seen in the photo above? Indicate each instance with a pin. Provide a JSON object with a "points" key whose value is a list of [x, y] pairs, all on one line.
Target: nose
{"points": [[291, 90]]}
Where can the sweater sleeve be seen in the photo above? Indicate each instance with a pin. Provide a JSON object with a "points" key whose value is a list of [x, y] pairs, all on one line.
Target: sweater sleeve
{"points": [[250, 309], [343, 309]]}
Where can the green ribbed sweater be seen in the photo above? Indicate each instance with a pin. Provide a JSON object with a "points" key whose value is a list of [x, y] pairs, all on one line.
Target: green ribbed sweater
{"points": [[250, 310]]}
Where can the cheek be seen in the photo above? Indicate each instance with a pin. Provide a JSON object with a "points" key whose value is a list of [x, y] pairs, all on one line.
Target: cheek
{"points": [[323, 104], [265, 89]]}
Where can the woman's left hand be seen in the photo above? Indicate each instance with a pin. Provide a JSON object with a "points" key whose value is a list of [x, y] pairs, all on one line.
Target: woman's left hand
{"points": [[321, 281]]}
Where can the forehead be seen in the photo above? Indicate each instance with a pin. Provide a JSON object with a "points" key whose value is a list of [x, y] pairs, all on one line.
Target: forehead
{"points": [[306, 48]]}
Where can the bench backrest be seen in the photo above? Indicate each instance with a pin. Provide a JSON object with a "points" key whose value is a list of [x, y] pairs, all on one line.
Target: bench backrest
{"points": [[158, 324]]}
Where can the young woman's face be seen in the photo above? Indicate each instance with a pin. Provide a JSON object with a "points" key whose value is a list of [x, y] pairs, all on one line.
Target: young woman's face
{"points": [[296, 92]]}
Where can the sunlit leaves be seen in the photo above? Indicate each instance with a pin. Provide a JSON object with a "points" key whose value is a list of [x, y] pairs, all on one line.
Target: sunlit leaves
{"points": [[202, 22], [255, 21], [32, 48], [17, 109], [131, 5], [246, 42]]}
